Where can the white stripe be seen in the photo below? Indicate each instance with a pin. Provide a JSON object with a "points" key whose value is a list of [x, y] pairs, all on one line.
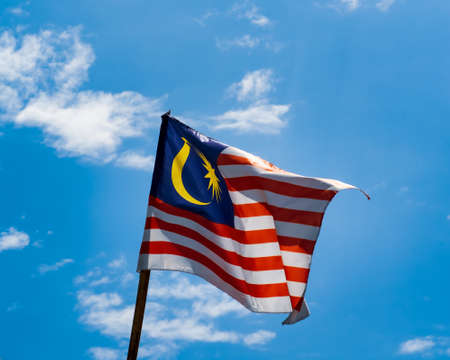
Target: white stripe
{"points": [[296, 288], [282, 201], [174, 262], [235, 171], [249, 276], [246, 250], [296, 259], [254, 223], [297, 230]]}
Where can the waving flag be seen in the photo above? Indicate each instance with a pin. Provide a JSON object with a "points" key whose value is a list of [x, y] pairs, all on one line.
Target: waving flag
{"points": [[234, 219]]}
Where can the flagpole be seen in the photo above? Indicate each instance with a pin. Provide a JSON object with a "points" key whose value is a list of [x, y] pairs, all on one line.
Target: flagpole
{"points": [[138, 318]]}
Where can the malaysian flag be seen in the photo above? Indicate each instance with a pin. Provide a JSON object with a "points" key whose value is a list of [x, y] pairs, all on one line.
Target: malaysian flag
{"points": [[234, 219]]}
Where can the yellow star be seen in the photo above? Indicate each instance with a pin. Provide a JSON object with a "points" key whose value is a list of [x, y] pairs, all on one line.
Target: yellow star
{"points": [[211, 175]]}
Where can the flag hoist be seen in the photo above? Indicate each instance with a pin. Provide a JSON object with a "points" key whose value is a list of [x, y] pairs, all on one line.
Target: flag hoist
{"points": [[232, 218]]}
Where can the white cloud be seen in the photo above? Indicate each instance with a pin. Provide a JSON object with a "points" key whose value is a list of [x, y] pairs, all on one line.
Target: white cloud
{"points": [[384, 5], [134, 160], [80, 279], [98, 301], [251, 12], [13, 240], [342, 5], [253, 86], [190, 317], [55, 267], [127, 277], [158, 351], [427, 346], [417, 345], [248, 42], [218, 306], [448, 217], [259, 337], [88, 124], [40, 79], [117, 263], [102, 353], [19, 10], [244, 41], [260, 117], [207, 299], [181, 288], [207, 15], [351, 4], [103, 280]]}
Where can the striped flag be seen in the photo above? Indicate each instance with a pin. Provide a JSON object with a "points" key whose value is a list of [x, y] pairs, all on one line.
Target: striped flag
{"points": [[234, 219]]}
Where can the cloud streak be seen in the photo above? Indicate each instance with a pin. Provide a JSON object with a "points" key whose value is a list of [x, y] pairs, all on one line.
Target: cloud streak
{"points": [[43, 269]]}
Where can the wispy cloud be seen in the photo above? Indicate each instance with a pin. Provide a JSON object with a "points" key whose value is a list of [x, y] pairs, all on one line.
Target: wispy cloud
{"points": [[352, 5], [341, 6], [417, 345], [20, 9], [190, 318], [43, 269], [248, 10], [102, 281], [245, 41], [201, 20], [131, 159], [262, 118], [102, 353], [385, 5], [13, 239], [117, 263], [259, 338], [249, 42], [40, 79], [259, 115], [427, 346], [253, 86]]}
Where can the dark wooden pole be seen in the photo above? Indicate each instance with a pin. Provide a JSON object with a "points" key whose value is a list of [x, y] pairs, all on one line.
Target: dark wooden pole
{"points": [[141, 298]]}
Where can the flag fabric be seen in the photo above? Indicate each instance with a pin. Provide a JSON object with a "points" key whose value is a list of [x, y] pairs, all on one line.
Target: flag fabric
{"points": [[234, 219]]}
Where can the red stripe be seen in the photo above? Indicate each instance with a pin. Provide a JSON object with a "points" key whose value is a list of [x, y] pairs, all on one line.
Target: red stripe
{"points": [[250, 210], [278, 187], [282, 214], [244, 237], [297, 245], [296, 274], [296, 302], [227, 159], [253, 264], [255, 290]]}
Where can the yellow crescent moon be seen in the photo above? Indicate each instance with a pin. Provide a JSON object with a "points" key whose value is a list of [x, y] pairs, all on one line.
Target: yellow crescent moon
{"points": [[177, 170]]}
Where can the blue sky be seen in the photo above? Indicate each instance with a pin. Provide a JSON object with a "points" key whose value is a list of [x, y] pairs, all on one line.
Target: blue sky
{"points": [[356, 90]]}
